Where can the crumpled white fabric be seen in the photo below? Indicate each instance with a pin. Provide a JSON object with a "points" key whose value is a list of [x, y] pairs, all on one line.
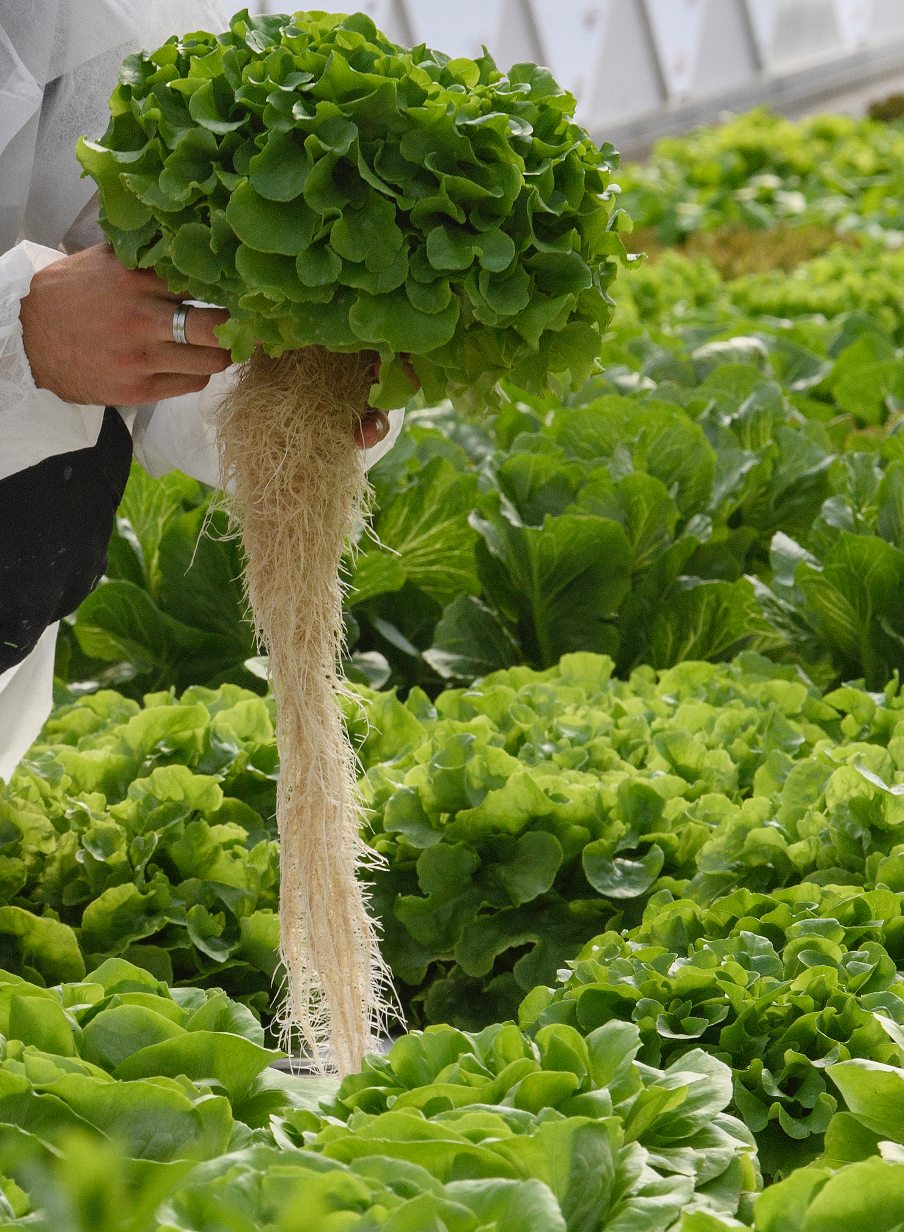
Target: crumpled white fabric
{"points": [[59, 62], [26, 696]]}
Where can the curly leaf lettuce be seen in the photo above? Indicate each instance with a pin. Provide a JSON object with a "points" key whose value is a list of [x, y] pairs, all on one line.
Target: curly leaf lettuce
{"points": [[327, 186]]}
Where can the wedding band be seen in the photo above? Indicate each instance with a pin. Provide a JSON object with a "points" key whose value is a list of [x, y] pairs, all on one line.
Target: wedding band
{"points": [[179, 324]]}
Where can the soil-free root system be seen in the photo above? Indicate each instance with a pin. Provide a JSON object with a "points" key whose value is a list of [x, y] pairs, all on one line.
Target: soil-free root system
{"points": [[297, 487]]}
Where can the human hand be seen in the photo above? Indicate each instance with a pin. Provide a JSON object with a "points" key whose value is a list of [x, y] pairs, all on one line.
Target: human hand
{"points": [[371, 428], [97, 333], [374, 424]]}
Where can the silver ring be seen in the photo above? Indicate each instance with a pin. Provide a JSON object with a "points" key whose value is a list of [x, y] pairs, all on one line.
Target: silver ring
{"points": [[179, 324]]}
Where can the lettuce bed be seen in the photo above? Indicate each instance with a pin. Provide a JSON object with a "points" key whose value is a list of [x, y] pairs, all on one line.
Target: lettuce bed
{"points": [[761, 168], [777, 986], [519, 813], [518, 819], [145, 832], [484, 1131]]}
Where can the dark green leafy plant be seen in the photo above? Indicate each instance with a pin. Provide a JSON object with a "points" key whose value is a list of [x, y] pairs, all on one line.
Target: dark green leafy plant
{"points": [[146, 833], [620, 1144], [859, 1183], [170, 612], [534, 809], [615, 523], [327, 186], [166, 1074], [844, 587], [777, 986]]}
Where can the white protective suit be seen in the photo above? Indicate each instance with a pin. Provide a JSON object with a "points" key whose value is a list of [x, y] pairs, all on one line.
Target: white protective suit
{"points": [[59, 62]]}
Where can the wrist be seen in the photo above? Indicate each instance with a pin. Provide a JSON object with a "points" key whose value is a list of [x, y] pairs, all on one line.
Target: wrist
{"points": [[30, 263]]}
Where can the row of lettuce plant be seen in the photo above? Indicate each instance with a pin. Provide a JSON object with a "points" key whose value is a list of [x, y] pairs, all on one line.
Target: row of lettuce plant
{"points": [[697, 500], [759, 168], [128, 1106], [517, 819], [547, 1134]]}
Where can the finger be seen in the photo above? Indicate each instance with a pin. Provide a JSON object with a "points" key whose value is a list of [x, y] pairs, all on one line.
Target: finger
{"points": [[371, 429], [173, 357], [172, 384], [199, 323], [153, 283]]}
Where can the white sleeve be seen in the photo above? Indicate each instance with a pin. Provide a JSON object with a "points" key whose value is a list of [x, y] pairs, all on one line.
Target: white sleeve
{"points": [[26, 697], [34, 423], [396, 421], [179, 433]]}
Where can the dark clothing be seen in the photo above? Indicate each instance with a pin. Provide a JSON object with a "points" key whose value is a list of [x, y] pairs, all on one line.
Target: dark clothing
{"points": [[56, 519]]}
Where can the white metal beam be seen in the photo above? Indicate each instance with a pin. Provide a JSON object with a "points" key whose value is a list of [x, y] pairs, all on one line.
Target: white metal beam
{"points": [[643, 67]]}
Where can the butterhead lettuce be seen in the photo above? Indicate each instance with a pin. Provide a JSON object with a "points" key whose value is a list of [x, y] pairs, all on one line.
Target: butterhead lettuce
{"points": [[329, 187]]}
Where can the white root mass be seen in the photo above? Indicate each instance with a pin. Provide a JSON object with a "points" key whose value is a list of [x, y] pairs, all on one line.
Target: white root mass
{"points": [[297, 491]]}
